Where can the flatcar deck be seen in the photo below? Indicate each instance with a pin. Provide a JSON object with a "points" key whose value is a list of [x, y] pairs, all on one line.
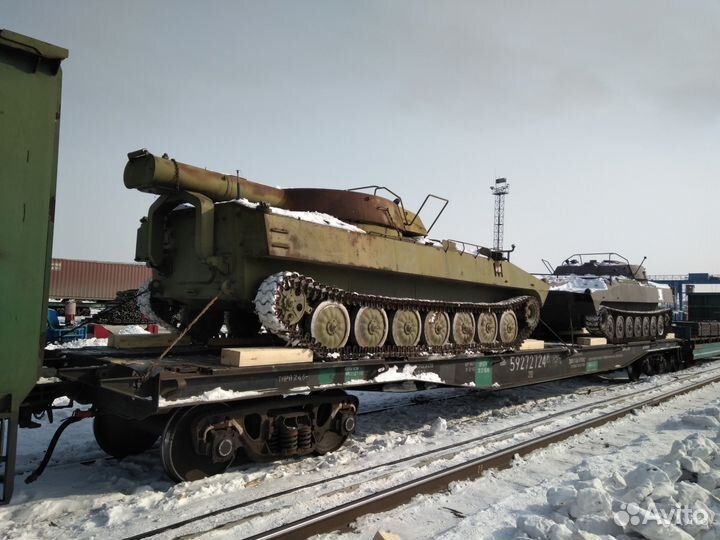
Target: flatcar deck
{"points": [[139, 381]]}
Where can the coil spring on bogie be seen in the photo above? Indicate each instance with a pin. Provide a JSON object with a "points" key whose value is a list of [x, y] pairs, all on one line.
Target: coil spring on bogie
{"points": [[274, 444], [288, 438], [304, 437]]}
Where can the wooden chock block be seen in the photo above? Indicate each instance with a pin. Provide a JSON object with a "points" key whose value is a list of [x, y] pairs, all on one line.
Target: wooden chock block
{"points": [[532, 345], [591, 341], [139, 341], [384, 535], [264, 356], [670, 336]]}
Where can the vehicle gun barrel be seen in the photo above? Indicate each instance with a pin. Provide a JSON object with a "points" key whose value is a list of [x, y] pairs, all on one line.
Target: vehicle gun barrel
{"points": [[160, 175]]}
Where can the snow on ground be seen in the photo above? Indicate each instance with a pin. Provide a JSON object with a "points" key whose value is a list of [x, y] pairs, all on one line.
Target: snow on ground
{"points": [[653, 475], [79, 500], [78, 344], [85, 495]]}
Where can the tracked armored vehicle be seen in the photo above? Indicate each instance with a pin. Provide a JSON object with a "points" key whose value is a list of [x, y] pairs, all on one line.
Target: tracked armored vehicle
{"points": [[608, 298], [344, 273]]}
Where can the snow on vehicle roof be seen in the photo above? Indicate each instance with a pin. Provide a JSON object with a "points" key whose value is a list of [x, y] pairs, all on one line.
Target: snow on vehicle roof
{"points": [[575, 283], [312, 217]]}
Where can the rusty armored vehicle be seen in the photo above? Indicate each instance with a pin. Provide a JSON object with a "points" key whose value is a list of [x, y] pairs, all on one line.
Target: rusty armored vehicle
{"points": [[345, 273], [609, 297]]}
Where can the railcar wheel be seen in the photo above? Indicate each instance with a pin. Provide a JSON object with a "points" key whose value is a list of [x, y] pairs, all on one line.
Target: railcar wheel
{"points": [[329, 442], [463, 328], [371, 327], [629, 327], [436, 329], [121, 437], [637, 329], [674, 363], [660, 365], [634, 371], [508, 327], [653, 326], [179, 459], [646, 326], [487, 328], [619, 327], [330, 324], [406, 328]]}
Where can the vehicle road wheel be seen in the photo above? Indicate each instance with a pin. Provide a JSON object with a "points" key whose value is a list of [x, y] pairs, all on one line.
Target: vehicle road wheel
{"points": [[330, 324], [436, 329], [653, 326], [646, 326], [660, 326], [463, 328], [620, 327], [609, 328], [406, 328], [487, 328], [508, 328], [637, 329], [629, 327], [370, 327]]}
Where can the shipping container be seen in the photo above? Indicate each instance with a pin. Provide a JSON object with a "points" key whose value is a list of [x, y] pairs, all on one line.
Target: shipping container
{"points": [[94, 280], [704, 306]]}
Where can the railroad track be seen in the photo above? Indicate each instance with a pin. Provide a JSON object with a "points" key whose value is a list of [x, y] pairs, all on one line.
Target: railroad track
{"points": [[340, 516]]}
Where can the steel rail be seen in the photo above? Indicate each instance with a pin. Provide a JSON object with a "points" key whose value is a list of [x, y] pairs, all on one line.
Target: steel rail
{"points": [[341, 516], [444, 452]]}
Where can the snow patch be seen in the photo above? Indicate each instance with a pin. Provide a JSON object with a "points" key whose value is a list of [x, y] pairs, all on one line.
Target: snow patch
{"points": [[216, 394], [408, 373], [676, 499], [311, 217], [78, 344]]}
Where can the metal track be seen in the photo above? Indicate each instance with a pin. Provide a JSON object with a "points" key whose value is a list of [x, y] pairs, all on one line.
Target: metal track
{"points": [[342, 515], [269, 310], [596, 323]]}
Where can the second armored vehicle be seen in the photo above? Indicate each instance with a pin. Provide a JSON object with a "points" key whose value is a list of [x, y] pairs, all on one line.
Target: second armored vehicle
{"points": [[609, 298], [345, 273]]}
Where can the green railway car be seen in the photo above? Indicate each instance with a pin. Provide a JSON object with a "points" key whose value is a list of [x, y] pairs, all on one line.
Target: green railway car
{"points": [[30, 84]]}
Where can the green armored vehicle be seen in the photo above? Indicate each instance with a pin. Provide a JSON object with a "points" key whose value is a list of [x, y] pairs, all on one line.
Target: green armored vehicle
{"points": [[345, 273], [610, 298]]}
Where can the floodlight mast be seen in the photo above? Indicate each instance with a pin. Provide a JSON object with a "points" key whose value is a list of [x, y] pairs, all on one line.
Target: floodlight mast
{"points": [[499, 190]]}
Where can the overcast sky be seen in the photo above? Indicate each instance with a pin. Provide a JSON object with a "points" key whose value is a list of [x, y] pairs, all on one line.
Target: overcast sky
{"points": [[604, 116]]}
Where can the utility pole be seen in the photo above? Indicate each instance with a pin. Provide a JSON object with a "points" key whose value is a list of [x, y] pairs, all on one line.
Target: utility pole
{"points": [[500, 189]]}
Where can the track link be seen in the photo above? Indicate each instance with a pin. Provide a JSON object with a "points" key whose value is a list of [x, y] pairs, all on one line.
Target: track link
{"points": [[652, 324], [295, 328]]}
